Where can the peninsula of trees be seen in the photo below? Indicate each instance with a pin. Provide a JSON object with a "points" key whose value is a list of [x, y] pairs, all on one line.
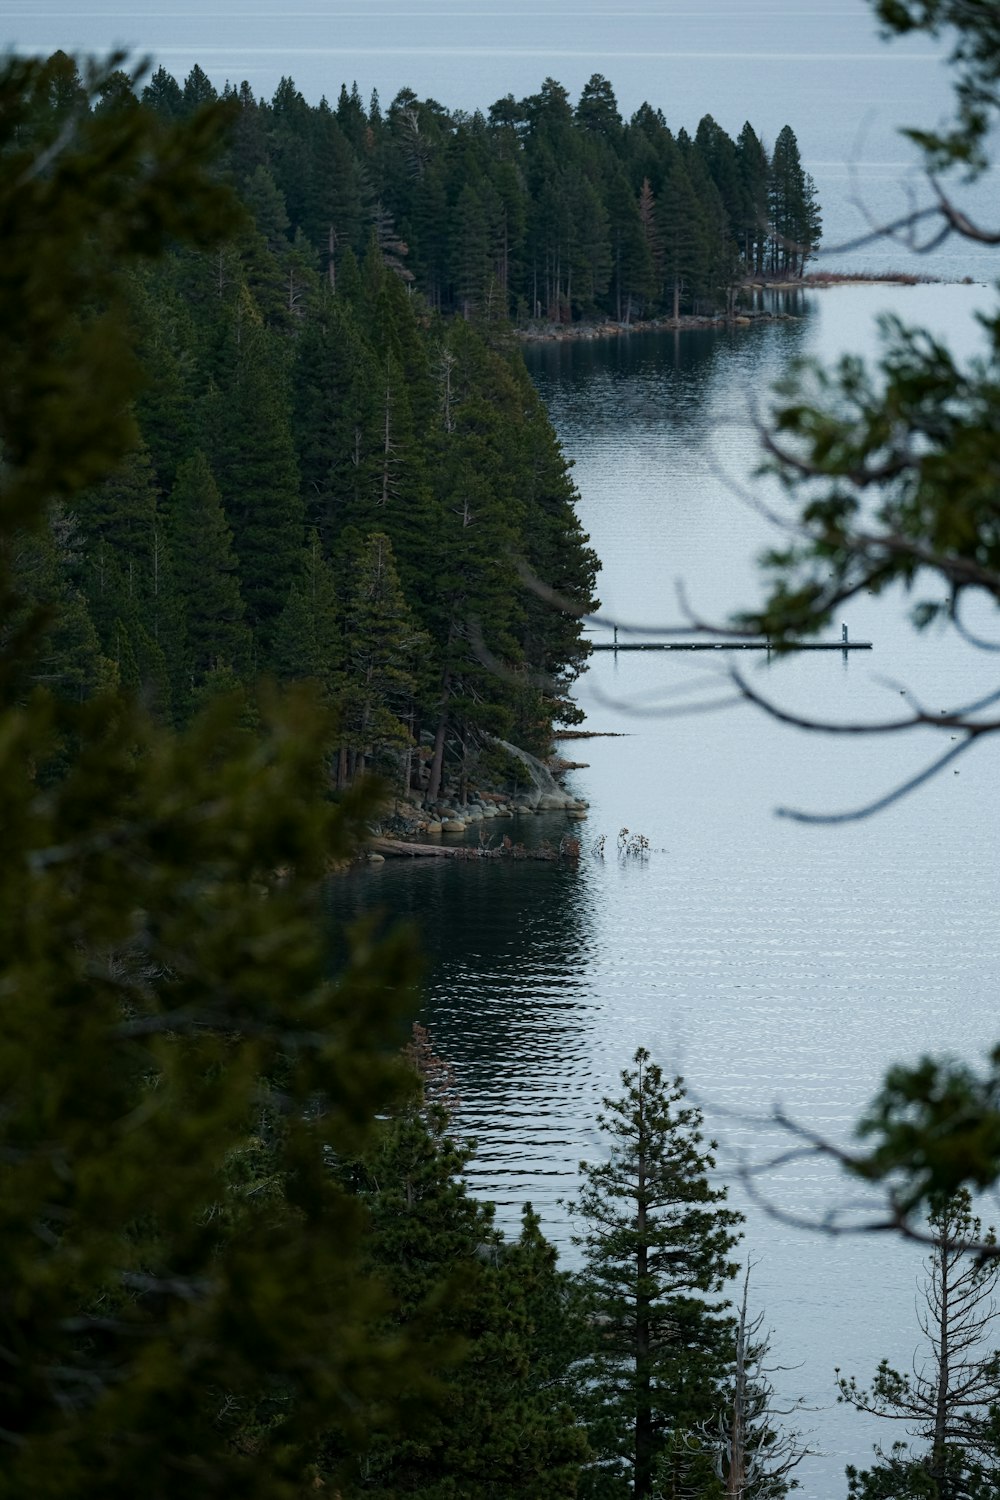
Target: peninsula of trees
{"points": [[535, 209]]}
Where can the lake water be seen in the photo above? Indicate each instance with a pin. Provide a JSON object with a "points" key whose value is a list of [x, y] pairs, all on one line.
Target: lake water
{"points": [[767, 961], [819, 65]]}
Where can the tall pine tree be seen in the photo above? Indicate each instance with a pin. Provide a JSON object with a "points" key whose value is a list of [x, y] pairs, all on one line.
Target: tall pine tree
{"points": [[656, 1241]]}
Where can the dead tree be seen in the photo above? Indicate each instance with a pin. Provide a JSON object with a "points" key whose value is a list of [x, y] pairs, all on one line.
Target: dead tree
{"points": [[944, 1403]]}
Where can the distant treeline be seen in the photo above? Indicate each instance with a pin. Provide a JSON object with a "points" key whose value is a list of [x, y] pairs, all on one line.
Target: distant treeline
{"points": [[533, 209]]}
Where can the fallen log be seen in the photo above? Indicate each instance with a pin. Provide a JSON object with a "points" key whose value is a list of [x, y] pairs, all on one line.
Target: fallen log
{"points": [[402, 847], [569, 848]]}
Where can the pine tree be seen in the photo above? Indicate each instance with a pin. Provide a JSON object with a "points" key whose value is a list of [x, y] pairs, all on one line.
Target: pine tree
{"points": [[597, 111], [165, 408], [308, 638], [117, 523], [656, 1244], [472, 264], [382, 642], [205, 579], [332, 424], [719, 155], [249, 443], [589, 248], [500, 1314], [950, 1401], [247, 141], [47, 608], [633, 275], [199, 91], [683, 234], [266, 202], [351, 116], [754, 170], [794, 214], [337, 208], [554, 547], [163, 94], [475, 530]]}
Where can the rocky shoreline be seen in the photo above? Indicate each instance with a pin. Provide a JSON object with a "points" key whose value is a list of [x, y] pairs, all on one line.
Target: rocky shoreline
{"points": [[413, 818], [561, 332], [607, 328]]}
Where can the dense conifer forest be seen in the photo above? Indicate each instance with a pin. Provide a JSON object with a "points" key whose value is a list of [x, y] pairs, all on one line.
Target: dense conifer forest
{"points": [[335, 480], [535, 209]]}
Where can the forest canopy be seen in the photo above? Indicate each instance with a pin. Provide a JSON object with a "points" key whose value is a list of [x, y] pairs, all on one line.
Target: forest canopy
{"points": [[329, 479]]}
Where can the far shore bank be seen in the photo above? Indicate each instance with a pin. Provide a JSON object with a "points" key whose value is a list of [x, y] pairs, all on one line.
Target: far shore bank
{"points": [[543, 331]]}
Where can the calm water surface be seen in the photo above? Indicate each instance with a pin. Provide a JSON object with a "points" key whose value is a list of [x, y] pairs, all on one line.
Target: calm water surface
{"points": [[767, 961], [819, 65]]}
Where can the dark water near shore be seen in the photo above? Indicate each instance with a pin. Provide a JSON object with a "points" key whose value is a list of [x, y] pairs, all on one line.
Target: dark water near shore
{"points": [[819, 65], [765, 960]]}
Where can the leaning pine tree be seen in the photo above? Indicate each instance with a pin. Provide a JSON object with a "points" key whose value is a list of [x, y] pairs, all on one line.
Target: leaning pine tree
{"points": [[656, 1243]]}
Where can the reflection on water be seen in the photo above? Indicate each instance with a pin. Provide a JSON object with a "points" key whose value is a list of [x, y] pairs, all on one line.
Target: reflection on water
{"points": [[508, 1001], [765, 960]]}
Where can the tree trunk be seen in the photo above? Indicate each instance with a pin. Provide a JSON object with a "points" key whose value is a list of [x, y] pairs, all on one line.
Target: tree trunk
{"points": [[643, 1485], [463, 780], [437, 759], [387, 442], [736, 1476], [939, 1452], [408, 759]]}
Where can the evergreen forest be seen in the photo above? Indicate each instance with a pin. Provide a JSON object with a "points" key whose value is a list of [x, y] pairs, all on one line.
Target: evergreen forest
{"points": [[334, 479], [538, 208]]}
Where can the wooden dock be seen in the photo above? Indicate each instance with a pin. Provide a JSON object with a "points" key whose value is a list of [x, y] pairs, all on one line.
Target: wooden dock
{"points": [[729, 646]]}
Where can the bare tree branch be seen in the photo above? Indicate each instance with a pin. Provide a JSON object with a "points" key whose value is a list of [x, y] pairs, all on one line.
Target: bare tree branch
{"points": [[855, 815]]}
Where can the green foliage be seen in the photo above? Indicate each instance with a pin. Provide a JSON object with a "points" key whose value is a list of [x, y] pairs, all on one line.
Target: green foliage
{"points": [[793, 210], [500, 1326], [324, 396], [656, 1243], [205, 582], [248, 438], [148, 1309], [382, 642], [48, 637], [895, 1477], [114, 186], [308, 640], [183, 1301], [935, 1127]]}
